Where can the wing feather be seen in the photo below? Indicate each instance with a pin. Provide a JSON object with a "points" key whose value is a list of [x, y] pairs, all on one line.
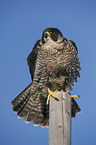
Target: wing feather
{"points": [[73, 43], [32, 58]]}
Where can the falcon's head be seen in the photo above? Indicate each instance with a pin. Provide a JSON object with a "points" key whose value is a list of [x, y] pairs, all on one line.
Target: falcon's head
{"points": [[52, 33]]}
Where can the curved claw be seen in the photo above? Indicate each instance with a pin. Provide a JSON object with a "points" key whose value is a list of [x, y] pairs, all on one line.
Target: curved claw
{"points": [[72, 95], [51, 94]]}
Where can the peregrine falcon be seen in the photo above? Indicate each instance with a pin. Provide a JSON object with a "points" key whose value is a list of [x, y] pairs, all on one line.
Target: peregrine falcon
{"points": [[53, 64]]}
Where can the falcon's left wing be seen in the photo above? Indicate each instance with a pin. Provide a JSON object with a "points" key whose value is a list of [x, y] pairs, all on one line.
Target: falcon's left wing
{"points": [[32, 58]]}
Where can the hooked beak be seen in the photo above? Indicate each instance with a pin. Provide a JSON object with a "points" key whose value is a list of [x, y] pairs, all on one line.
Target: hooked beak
{"points": [[48, 34]]}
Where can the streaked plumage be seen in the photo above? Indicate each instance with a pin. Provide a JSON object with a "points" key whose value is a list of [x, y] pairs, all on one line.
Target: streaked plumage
{"points": [[53, 64]]}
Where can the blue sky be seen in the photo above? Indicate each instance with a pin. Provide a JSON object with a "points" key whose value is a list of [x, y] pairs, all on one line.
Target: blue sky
{"points": [[21, 25]]}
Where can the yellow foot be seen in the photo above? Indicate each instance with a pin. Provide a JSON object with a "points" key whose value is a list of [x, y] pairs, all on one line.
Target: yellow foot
{"points": [[50, 94], [68, 91], [72, 95]]}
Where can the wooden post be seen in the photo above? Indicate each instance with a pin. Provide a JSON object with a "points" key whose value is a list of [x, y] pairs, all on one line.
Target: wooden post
{"points": [[60, 119]]}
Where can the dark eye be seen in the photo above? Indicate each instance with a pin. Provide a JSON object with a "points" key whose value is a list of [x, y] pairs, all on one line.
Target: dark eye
{"points": [[45, 35]]}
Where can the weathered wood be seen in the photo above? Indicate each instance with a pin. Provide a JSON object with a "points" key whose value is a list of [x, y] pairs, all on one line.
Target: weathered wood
{"points": [[60, 119]]}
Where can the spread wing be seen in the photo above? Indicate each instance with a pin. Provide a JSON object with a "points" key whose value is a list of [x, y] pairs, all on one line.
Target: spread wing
{"points": [[32, 58]]}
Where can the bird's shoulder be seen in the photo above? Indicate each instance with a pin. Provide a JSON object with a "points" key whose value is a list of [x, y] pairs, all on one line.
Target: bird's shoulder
{"points": [[32, 58], [73, 44]]}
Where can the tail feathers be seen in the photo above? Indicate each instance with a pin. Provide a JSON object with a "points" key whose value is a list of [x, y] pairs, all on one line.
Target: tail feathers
{"points": [[75, 108], [30, 105], [21, 97], [37, 111], [46, 118]]}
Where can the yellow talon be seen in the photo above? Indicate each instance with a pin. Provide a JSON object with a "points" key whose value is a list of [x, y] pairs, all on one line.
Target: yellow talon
{"points": [[72, 95], [51, 94], [68, 91], [48, 98], [55, 91]]}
